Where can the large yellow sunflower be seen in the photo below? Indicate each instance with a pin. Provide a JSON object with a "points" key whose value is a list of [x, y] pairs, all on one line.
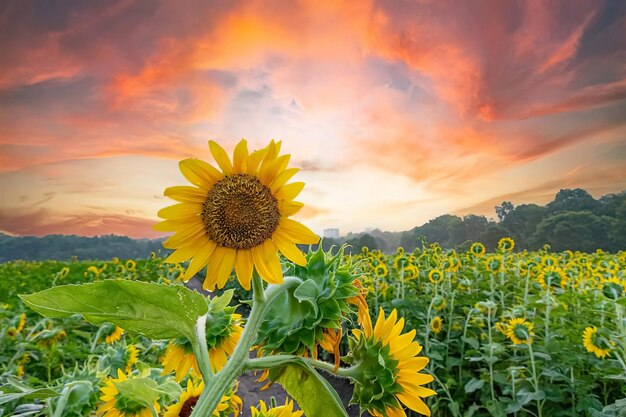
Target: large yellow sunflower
{"points": [[237, 217], [115, 405], [391, 356]]}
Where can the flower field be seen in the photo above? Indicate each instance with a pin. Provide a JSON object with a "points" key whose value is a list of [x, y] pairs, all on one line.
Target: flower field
{"points": [[507, 333]]}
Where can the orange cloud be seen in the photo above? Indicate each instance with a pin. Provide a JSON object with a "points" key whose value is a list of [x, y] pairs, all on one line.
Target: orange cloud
{"points": [[43, 222]]}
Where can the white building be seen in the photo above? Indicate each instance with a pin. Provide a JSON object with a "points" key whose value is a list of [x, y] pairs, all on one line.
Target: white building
{"points": [[331, 233]]}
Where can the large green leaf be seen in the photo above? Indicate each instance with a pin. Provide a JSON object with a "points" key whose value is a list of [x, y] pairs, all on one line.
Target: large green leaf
{"points": [[313, 393], [157, 311]]}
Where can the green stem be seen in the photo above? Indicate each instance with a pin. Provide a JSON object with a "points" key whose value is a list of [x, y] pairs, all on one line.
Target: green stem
{"points": [[535, 378], [223, 380], [493, 393], [201, 350], [548, 302], [272, 361]]}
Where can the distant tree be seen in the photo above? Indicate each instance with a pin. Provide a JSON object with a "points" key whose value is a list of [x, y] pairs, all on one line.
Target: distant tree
{"points": [[473, 226], [504, 209], [491, 235], [573, 200], [522, 222], [610, 204], [583, 231], [447, 230]]}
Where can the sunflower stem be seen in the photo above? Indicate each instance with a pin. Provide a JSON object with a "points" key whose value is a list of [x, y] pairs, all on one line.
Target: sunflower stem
{"points": [[201, 350], [223, 380], [272, 361]]}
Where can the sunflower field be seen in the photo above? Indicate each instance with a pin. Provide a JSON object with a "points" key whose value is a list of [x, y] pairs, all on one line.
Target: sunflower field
{"points": [[507, 333], [432, 332]]}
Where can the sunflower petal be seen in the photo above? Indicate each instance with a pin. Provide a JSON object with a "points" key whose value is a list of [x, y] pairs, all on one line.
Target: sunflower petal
{"points": [[290, 191], [297, 232], [282, 178], [180, 211], [200, 173], [289, 208], [221, 157], [240, 156], [185, 194], [289, 249], [243, 266], [414, 403], [200, 260]]}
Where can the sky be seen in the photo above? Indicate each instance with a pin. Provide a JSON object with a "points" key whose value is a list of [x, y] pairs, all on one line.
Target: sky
{"points": [[396, 111]]}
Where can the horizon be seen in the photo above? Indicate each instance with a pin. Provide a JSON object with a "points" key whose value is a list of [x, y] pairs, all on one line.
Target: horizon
{"points": [[366, 230], [393, 113]]}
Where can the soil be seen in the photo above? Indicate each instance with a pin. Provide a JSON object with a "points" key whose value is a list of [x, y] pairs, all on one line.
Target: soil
{"points": [[250, 392]]}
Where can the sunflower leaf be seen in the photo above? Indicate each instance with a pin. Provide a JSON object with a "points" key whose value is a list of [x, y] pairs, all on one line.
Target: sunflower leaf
{"points": [[313, 393], [154, 310]]}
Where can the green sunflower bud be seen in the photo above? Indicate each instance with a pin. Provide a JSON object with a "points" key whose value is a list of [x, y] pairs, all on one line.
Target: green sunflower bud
{"points": [[316, 300]]}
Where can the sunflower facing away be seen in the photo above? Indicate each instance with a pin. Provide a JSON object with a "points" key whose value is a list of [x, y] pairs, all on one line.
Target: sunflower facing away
{"points": [[223, 334], [520, 331], [592, 343], [388, 368], [237, 217], [112, 334], [116, 405]]}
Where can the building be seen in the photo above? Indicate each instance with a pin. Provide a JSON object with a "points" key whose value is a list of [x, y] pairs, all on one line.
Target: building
{"points": [[331, 233]]}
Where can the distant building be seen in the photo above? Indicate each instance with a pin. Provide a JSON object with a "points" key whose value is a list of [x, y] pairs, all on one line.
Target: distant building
{"points": [[331, 233]]}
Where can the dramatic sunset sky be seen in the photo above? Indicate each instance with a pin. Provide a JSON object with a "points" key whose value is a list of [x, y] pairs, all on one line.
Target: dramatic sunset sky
{"points": [[396, 111]]}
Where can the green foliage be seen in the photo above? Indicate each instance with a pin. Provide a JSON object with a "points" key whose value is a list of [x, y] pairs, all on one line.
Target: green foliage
{"points": [[313, 393], [316, 301], [157, 311]]}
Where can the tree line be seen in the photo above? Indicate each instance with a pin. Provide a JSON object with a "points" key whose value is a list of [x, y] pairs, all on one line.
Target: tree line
{"points": [[573, 220]]}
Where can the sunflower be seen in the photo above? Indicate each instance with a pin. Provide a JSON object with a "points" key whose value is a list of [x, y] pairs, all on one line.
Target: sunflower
{"points": [[435, 276], [131, 265], [436, 324], [223, 334], [494, 264], [188, 399], [552, 277], [237, 217], [477, 249], [506, 244], [592, 342], [381, 270], [282, 411], [520, 331], [179, 358], [113, 335], [116, 405], [63, 272], [131, 357], [21, 323], [411, 272], [388, 368], [439, 303], [501, 327]]}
